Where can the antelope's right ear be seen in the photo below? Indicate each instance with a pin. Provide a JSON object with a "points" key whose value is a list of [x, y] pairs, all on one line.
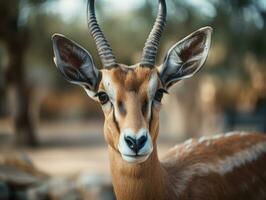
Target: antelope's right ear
{"points": [[75, 63]]}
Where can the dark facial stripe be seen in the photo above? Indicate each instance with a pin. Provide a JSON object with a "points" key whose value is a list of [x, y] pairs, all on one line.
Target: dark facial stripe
{"points": [[144, 108], [121, 108], [151, 117]]}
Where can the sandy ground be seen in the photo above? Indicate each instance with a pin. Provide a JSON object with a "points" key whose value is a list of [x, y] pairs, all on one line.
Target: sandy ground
{"points": [[69, 148]]}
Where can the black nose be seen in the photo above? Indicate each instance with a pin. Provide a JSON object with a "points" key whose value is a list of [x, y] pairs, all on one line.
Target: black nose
{"points": [[136, 144]]}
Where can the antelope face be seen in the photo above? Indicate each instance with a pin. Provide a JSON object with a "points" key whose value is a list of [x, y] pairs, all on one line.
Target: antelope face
{"points": [[131, 96]]}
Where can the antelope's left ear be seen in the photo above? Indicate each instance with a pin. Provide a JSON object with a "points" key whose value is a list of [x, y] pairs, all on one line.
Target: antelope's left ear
{"points": [[186, 57]]}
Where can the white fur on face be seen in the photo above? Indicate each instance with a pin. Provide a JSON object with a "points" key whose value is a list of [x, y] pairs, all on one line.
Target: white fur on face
{"points": [[109, 87], [152, 87], [110, 90], [129, 155], [153, 84]]}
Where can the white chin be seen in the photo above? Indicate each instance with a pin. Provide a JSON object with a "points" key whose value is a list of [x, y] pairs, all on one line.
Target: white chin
{"points": [[135, 159]]}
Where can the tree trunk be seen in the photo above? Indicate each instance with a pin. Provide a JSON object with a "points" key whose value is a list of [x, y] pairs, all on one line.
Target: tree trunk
{"points": [[18, 93]]}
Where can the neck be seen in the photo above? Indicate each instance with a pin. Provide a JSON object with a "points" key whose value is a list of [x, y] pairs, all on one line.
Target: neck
{"points": [[137, 181]]}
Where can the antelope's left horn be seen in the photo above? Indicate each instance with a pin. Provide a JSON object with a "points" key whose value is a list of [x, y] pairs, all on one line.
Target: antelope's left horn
{"points": [[152, 43]]}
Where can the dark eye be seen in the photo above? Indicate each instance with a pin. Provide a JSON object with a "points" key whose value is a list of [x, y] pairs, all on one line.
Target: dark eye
{"points": [[159, 95], [103, 97]]}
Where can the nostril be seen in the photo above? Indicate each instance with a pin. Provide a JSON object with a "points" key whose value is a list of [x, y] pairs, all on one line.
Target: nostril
{"points": [[131, 142], [136, 144], [141, 141]]}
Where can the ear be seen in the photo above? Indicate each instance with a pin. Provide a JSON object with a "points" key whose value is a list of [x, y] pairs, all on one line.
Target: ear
{"points": [[186, 57], [75, 63]]}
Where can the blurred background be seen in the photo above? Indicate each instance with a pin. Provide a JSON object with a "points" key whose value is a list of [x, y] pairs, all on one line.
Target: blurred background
{"points": [[50, 128]]}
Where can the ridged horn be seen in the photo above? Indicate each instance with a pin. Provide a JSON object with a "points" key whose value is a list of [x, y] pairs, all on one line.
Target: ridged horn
{"points": [[152, 43], [103, 47]]}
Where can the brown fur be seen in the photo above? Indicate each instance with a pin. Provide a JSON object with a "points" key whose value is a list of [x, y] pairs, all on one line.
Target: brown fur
{"points": [[188, 171], [213, 185]]}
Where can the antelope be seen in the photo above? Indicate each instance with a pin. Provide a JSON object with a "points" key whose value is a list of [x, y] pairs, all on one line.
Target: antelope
{"points": [[228, 166]]}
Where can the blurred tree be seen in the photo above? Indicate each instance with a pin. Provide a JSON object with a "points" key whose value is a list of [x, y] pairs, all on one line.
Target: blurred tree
{"points": [[15, 35]]}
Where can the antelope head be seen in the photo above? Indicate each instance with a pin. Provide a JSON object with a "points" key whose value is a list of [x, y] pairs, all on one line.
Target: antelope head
{"points": [[131, 96]]}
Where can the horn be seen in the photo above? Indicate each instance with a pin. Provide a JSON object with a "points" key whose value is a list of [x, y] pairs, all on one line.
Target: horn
{"points": [[152, 43], [103, 47]]}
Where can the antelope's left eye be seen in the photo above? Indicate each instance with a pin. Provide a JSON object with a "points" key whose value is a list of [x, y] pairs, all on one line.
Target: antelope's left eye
{"points": [[159, 94], [103, 97]]}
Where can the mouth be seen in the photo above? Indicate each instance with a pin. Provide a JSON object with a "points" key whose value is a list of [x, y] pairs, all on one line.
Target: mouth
{"points": [[135, 158]]}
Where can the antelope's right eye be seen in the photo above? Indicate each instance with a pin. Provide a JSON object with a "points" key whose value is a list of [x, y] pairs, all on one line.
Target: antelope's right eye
{"points": [[103, 97]]}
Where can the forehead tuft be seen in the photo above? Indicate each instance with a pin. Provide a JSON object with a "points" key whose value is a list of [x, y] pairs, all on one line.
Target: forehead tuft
{"points": [[129, 78]]}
